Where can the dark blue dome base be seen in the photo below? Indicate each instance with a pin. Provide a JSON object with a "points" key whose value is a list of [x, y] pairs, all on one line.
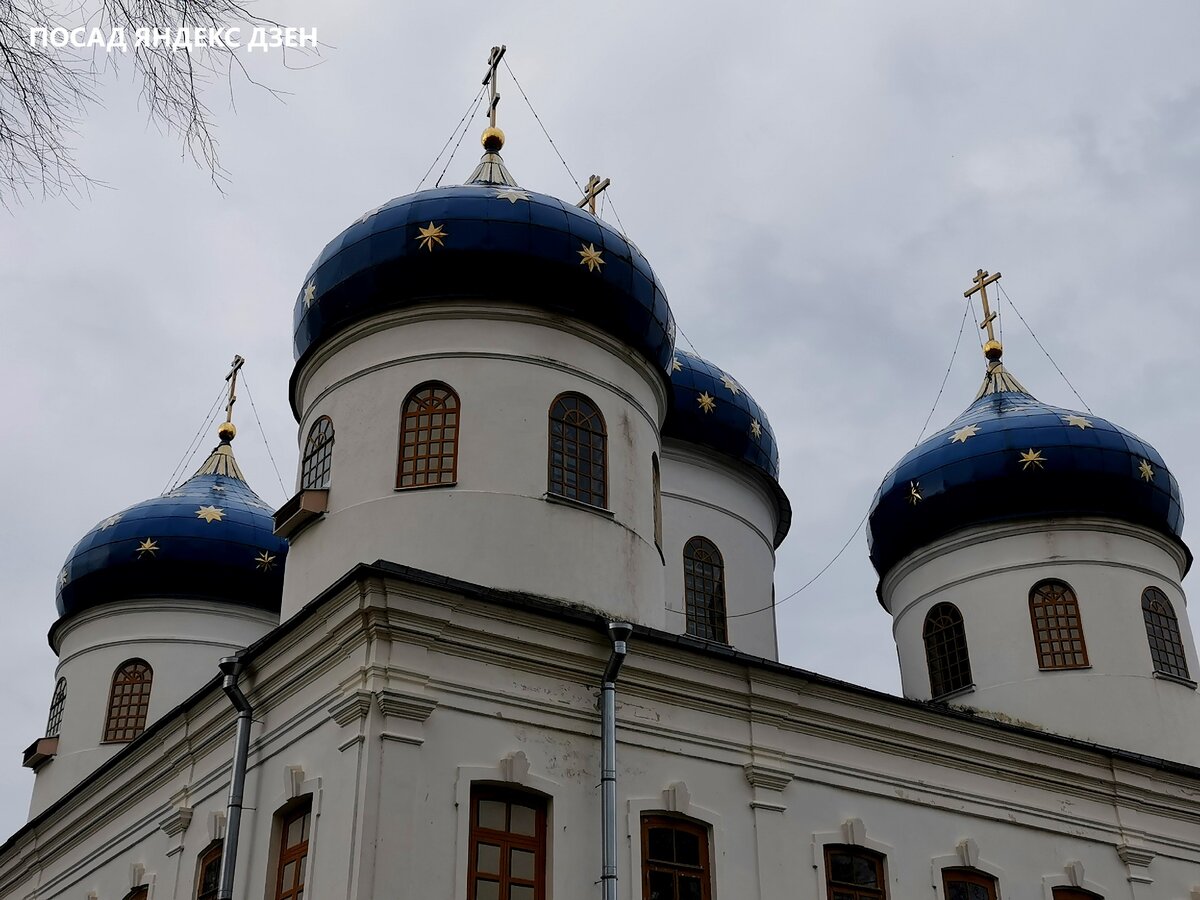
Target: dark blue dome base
{"points": [[945, 485], [211, 538], [525, 252]]}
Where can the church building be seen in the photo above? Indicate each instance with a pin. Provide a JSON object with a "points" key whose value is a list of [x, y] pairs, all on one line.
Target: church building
{"points": [[513, 637]]}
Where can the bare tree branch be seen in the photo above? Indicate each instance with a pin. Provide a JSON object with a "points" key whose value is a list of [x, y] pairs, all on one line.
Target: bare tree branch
{"points": [[45, 90]]}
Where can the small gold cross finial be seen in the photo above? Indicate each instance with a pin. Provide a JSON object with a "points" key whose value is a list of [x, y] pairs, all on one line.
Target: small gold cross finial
{"points": [[226, 431], [493, 137], [595, 186], [993, 350]]}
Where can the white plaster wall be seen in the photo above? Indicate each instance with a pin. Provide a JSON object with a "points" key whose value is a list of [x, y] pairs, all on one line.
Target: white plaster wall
{"points": [[494, 527], [704, 496], [988, 573], [496, 698], [182, 640]]}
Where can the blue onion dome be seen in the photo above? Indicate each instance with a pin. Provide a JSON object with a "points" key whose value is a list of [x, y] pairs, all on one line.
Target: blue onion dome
{"points": [[708, 407], [211, 538], [1010, 457], [486, 240]]}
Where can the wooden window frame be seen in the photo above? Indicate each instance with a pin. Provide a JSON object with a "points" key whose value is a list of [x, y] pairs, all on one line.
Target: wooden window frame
{"points": [[704, 598], [1163, 636], [856, 891], [114, 715], [1057, 626], [507, 840], [952, 673], [410, 432], [57, 704], [297, 853], [557, 485], [214, 852], [1074, 893], [141, 892], [317, 459], [690, 826], [971, 876]]}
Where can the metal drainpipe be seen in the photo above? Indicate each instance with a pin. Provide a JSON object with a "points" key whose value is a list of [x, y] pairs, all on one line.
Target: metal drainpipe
{"points": [[231, 668], [618, 633]]}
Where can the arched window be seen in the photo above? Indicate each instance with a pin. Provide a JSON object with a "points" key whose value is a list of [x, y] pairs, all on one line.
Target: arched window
{"points": [[1072, 893], [129, 701], [428, 437], [208, 880], [318, 455], [675, 859], [578, 451], [1162, 631], [704, 589], [854, 873], [54, 722], [946, 650], [1057, 628], [507, 845], [968, 884], [656, 485]]}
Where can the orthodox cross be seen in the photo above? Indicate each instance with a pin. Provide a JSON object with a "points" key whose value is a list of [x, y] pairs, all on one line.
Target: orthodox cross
{"points": [[982, 279], [594, 186], [490, 80], [238, 362]]}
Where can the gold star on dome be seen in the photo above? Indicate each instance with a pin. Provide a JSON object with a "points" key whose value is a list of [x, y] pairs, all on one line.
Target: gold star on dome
{"points": [[1145, 470], [63, 577], [110, 521], [148, 547], [914, 493], [967, 431], [1032, 458], [707, 402], [210, 514], [310, 293], [431, 234], [512, 195], [1078, 421], [730, 385], [755, 428], [265, 561], [676, 366], [219, 488], [591, 257]]}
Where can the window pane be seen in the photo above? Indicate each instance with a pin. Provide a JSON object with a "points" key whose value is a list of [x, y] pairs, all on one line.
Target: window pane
{"points": [[524, 820], [864, 871], [956, 890], [662, 886], [492, 814], [487, 859], [520, 892], [690, 888], [289, 877], [841, 868], [295, 831], [687, 848], [662, 847], [487, 890], [521, 864]]}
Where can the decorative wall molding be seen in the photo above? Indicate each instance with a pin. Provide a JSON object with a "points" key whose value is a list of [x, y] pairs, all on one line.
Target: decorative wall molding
{"points": [[1137, 860], [175, 825], [1073, 876], [353, 707]]}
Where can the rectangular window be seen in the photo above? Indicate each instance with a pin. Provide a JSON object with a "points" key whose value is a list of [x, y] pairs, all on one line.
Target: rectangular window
{"points": [[293, 853], [675, 859], [508, 846]]}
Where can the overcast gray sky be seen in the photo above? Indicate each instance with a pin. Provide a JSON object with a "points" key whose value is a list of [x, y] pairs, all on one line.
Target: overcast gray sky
{"points": [[814, 183]]}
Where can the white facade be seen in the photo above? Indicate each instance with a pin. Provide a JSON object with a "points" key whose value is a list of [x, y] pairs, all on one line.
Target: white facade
{"points": [[987, 573], [181, 640], [385, 702], [705, 496], [496, 526]]}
